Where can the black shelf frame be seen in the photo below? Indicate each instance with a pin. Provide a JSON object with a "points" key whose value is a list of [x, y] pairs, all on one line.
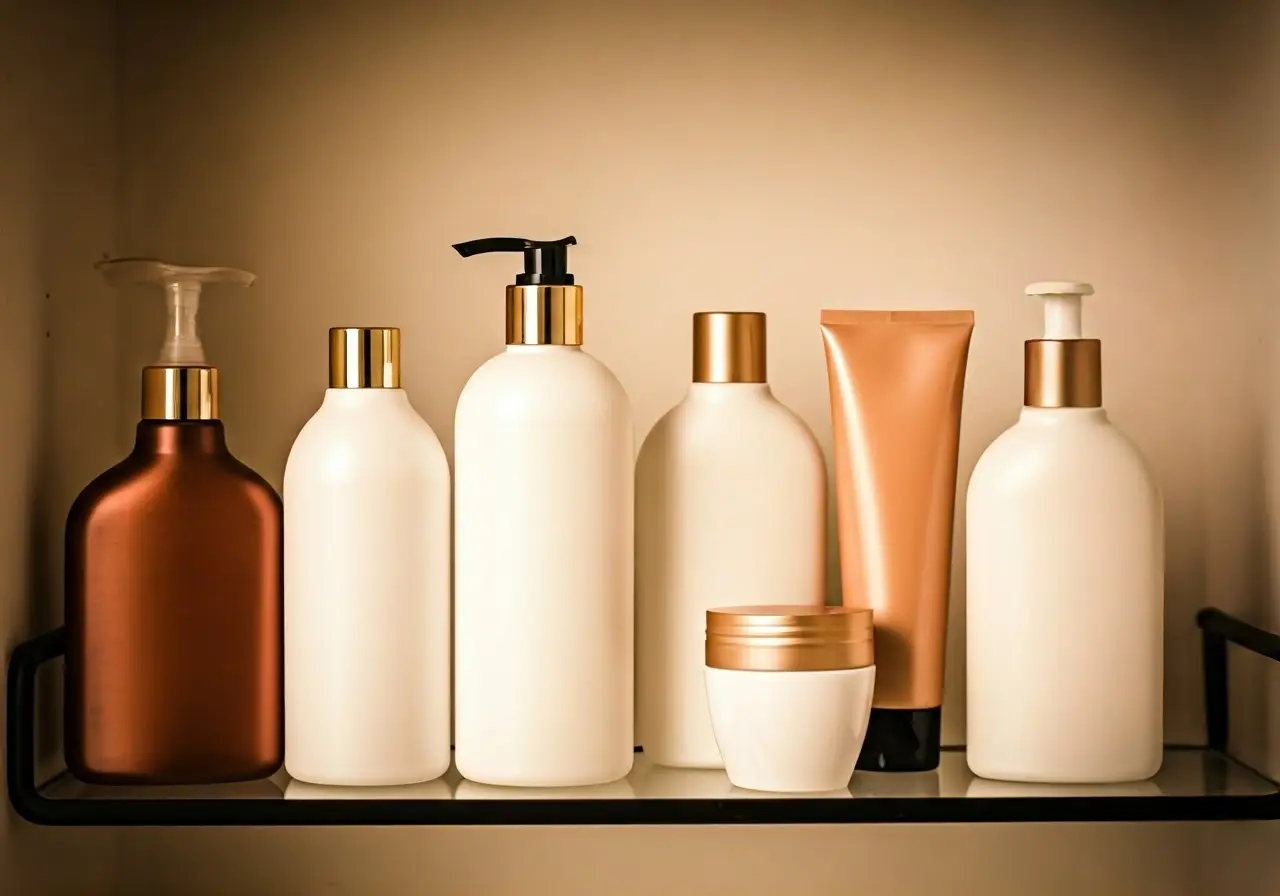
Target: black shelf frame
{"points": [[1218, 629]]}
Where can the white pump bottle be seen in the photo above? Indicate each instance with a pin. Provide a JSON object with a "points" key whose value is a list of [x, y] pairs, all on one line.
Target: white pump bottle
{"points": [[1065, 566], [544, 460]]}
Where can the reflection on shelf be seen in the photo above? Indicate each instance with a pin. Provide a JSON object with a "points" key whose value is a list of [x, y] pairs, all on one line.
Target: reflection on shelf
{"points": [[1185, 773], [659, 782], [616, 790], [65, 787], [917, 785], [981, 787], [438, 789]]}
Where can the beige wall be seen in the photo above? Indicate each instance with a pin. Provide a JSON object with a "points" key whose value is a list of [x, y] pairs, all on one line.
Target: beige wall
{"points": [[1244, 859], [780, 157], [57, 349]]}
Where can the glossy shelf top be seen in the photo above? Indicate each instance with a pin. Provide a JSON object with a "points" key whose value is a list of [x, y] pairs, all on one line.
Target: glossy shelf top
{"points": [[1193, 784]]}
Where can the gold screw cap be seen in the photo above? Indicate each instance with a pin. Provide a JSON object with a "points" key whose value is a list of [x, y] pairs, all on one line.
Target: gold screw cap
{"points": [[364, 358], [729, 347]]}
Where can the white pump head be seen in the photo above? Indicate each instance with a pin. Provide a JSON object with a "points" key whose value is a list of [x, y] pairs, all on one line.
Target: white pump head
{"points": [[181, 284], [1062, 307]]}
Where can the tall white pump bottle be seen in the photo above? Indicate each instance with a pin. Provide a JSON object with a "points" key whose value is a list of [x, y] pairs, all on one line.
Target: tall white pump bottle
{"points": [[544, 463], [366, 579], [1065, 617], [731, 493]]}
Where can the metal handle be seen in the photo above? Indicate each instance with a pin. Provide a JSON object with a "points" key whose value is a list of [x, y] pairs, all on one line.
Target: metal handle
{"points": [[20, 723], [1216, 630]]}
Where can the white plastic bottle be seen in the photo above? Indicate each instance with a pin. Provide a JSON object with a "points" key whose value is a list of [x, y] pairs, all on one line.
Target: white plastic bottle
{"points": [[544, 461], [366, 573], [1065, 579], [730, 508]]}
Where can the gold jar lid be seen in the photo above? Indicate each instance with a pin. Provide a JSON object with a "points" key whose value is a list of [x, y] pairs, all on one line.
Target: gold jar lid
{"points": [[729, 347], [179, 393], [544, 315], [790, 638], [364, 358]]}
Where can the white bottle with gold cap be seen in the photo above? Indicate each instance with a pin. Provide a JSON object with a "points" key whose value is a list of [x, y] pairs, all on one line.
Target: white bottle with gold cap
{"points": [[1065, 578], [366, 572], [730, 508], [544, 460]]}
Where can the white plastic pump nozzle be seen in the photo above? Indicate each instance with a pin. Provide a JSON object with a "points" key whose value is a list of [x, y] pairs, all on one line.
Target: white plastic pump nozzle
{"points": [[1062, 307], [182, 284]]}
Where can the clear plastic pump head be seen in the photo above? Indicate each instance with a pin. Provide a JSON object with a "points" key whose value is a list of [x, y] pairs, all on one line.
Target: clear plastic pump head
{"points": [[182, 284], [1062, 307]]}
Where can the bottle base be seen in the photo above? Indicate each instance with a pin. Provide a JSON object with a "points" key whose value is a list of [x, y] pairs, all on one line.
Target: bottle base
{"points": [[167, 777], [517, 777], [379, 778], [1017, 773]]}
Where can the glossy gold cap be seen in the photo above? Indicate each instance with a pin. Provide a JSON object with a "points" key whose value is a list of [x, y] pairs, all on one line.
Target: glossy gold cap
{"points": [[179, 393], [729, 347], [1062, 373], [544, 315], [790, 638], [364, 358]]}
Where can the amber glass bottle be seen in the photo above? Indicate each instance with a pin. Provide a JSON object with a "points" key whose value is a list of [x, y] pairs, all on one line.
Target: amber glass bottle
{"points": [[174, 603]]}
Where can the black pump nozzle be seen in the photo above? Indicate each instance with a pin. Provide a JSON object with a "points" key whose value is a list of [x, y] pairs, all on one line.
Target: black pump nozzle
{"points": [[545, 263]]}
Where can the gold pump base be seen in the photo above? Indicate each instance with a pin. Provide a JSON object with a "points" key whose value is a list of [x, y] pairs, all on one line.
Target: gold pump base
{"points": [[544, 315], [179, 393], [1062, 373]]}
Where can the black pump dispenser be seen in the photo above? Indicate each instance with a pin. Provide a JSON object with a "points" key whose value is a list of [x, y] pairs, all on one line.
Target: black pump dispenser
{"points": [[546, 263]]}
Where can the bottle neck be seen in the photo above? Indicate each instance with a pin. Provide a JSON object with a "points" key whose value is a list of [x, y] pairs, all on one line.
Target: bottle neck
{"points": [[1059, 416], [363, 398], [719, 393], [541, 349], [180, 437]]}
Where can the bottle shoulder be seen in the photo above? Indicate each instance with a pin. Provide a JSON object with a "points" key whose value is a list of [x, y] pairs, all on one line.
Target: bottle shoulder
{"points": [[351, 422], [516, 385], [759, 426], [183, 487], [341, 439], [1030, 454]]}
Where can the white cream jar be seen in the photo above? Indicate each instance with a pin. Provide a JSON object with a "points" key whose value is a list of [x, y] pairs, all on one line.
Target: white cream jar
{"points": [[790, 694]]}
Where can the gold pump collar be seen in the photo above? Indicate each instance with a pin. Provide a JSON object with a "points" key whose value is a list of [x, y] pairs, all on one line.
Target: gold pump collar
{"points": [[179, 393], [1062, 373], [544, 315]]}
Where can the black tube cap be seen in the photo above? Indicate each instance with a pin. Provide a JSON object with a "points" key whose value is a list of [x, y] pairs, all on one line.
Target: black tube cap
{"points": [[902, 740]]}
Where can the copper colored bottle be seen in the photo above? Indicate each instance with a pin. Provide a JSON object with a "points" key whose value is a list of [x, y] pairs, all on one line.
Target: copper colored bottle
{"points": [[174, 603]]}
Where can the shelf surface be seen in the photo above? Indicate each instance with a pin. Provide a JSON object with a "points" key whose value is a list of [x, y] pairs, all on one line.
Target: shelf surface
{"points": [[1193, 784]]}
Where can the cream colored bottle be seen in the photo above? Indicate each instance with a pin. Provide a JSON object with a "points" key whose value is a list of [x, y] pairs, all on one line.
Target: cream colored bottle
{"points": [[366, 579], [730, 509], [544, 460], [1065, 579]]}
